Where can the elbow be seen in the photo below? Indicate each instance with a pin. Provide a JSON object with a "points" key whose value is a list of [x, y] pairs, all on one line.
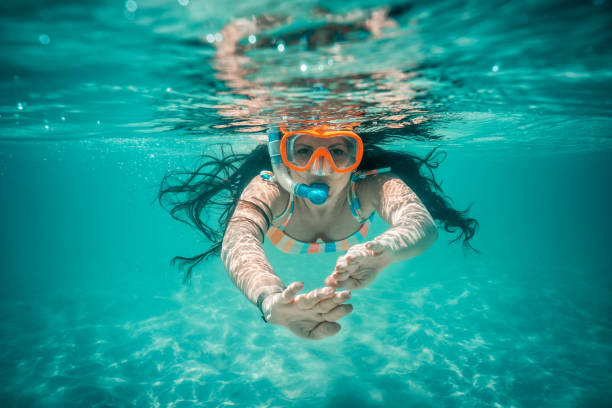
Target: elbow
{"points": [[428, 234], [226, 246], [223, 254], [432, 231], [431, 234], [416, 241]]}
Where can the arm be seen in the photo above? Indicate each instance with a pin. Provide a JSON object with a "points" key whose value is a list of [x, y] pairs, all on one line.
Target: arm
{"points": [[241, 252], [412, 231], [312, 315]]}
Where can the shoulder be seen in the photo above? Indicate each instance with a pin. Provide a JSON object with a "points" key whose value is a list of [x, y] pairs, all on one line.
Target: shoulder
{"points": [[376, 188], [266, 192]]}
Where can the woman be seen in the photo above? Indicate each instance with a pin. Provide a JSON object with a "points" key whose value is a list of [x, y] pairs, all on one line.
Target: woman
{"points": [[320, 197]]}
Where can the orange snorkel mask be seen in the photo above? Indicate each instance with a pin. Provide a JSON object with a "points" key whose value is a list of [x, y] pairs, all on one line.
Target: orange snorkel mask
{"points": [[340, 150], [321, 149]]}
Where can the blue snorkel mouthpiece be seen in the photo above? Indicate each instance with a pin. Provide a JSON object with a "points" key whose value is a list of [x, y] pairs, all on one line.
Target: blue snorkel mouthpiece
{"points": [[316, 193]]}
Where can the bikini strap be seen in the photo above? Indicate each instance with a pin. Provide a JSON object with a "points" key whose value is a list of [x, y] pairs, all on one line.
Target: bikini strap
{"points": [[351, 195], [269, 176], [358, 175], [289, 210]]}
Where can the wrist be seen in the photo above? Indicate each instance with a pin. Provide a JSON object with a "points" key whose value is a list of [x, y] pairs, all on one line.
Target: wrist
{"points": [[266, 305], [387, 247], [264, 300]]}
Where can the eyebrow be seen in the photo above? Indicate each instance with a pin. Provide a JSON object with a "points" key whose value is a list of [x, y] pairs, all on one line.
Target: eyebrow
{"points": [[335, 144]]}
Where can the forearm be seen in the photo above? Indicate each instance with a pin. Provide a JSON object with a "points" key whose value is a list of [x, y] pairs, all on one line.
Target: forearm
{"points": [[410, 237], [246, 263]]}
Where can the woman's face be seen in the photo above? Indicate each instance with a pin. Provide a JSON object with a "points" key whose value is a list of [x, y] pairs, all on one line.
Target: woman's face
{"points": [[322, 159], [324, 153]]}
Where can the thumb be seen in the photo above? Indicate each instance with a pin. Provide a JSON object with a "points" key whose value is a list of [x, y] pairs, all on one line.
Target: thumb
{"points": [[291, 291]]}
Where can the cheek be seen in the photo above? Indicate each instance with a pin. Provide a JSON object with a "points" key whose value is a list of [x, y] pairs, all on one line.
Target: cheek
{"points": [[340, 182], [296, 175]]}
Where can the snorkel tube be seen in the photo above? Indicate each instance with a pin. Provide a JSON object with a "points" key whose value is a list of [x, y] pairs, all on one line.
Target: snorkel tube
{"points": [[316, 193]]}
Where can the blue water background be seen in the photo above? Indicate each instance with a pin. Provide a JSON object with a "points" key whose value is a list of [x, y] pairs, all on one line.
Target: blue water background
{"points": [[97, 103]]}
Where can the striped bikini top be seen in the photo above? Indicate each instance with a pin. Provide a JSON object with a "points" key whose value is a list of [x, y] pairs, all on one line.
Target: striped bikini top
{"points": [[276, 233]]}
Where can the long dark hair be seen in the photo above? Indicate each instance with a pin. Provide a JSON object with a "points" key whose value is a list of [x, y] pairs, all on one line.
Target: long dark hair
{"points": [[216, 184]]}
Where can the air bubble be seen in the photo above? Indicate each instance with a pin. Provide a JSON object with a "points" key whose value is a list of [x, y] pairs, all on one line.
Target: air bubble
{"points": [[44, 39], [131, 6]]}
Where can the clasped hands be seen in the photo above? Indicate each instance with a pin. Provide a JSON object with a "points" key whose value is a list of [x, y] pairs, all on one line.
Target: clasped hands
{"points": [[314, 315]]}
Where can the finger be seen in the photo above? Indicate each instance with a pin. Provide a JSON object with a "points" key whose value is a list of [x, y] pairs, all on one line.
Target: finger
{"points": [[315, 296], [307, 300], [358, 259], [341, 284], [356, 254], [329, 304], [348, 258], [341, 263], [345, 268], [324, 329], [349, 283], [331, 281], [291, 291], [376, 247], [338, 312], [344, 274], [355, 260]]}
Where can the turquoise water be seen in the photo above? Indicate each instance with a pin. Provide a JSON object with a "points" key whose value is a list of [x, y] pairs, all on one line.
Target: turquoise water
{"points": [[99, 100]]}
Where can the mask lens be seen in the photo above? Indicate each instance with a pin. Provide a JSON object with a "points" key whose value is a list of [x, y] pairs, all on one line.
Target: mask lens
{"points": [[341, 154], [300, 151]]}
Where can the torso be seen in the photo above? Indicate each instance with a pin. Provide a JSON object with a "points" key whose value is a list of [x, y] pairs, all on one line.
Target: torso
{"points": [[305, 227]]}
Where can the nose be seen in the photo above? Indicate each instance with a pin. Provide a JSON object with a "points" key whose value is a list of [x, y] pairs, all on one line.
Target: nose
{"points": [[321, 167]]}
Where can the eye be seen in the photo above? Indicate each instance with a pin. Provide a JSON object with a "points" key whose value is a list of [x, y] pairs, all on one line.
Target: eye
{"points": [[303, 151], [338, 152]]}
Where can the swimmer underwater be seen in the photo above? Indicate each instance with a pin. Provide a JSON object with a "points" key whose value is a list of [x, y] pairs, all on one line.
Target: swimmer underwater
{"points": [[311, 189]]}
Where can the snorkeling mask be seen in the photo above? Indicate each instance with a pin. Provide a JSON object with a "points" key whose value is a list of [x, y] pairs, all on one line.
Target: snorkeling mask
{"points": [[320, 150], [317, 150]]}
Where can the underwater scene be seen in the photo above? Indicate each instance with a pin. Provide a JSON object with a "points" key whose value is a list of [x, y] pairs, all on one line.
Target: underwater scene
{"points": [[104, 101]]}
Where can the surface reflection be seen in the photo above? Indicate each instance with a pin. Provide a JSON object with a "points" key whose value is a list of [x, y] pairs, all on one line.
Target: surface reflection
{"points": [[275, 69]]}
